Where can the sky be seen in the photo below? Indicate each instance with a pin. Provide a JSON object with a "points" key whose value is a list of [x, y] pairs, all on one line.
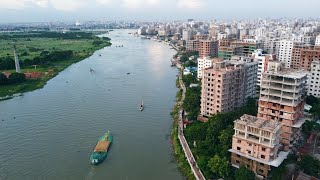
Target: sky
{"points": [[153, 10]]}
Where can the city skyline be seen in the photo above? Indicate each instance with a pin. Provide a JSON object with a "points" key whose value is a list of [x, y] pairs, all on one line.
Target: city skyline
{"points": [[151, 10]]}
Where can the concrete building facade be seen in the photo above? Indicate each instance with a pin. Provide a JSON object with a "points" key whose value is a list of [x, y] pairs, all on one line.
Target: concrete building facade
{"points": [[263, 61], [205, 62], [314, 80], [285, 51], [255, 144], [192, 45], [282, 98], [303, 56], [208, 48], [224, 86]]}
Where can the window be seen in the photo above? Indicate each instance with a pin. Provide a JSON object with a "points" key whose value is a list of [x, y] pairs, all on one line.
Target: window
{"points": [[237, 162], [263, 156], [238, 148], [261, 171], [263, 149], [239, 141]]}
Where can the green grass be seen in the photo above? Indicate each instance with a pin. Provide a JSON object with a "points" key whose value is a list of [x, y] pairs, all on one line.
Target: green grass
{"points": [[82, 49]]}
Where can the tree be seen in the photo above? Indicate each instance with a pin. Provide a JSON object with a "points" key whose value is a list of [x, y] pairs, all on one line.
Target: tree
{"points": [[244, 174], [219, 166], [315, 110], [3, 79], [310, 165], [311, 100], [17, 77]]}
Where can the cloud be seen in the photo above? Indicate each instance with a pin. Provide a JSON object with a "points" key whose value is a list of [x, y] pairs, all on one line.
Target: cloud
{"points": [[190, 4], [12, 4], [104, 2], [152, 2], [132, 4], [67, 5], [41, 3]]}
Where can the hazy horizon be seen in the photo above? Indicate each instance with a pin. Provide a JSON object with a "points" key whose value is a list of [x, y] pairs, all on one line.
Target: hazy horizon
{"points": [[152, 10]]}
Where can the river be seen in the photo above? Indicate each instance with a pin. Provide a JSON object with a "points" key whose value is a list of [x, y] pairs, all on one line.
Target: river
{"points": [[50, 133]]}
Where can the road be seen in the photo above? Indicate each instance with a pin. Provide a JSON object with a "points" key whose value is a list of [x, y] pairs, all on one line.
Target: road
{"points": [[187, 151]]}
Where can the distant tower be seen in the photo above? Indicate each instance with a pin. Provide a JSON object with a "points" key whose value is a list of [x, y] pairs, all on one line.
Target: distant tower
{"points": [[16, 60]]}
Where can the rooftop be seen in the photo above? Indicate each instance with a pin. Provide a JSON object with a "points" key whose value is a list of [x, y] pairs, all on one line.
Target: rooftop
{"points": [[253, 121], [289, 73]]}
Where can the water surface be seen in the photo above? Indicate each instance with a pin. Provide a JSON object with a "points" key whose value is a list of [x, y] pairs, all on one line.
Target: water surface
{"points": [[50, 133]]}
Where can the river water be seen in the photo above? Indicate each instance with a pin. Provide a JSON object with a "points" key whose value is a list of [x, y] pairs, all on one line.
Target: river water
{"points": [[50, 133]]}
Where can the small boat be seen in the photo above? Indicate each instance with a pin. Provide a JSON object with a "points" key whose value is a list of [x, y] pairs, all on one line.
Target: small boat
{"points": [[99, 54], [91, 70], [141, 106], [100, 152]]}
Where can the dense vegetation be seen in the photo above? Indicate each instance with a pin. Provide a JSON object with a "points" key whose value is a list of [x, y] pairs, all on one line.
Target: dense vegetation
{"points": [[310, 165], [315, 103], [13, 78], [191, 103], [213, 140]]}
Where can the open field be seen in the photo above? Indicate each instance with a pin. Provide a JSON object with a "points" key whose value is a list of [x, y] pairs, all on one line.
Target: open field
{"points": [[30, 48]]}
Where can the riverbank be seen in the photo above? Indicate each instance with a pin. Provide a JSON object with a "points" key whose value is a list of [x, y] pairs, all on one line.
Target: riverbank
{"points": [[81, 49], [179, 155]]}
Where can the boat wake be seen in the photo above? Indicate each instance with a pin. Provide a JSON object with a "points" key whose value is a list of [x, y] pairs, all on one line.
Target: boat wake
{"points": [[90, 174]]}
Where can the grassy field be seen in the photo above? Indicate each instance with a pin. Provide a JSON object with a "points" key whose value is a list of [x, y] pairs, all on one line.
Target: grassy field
{"points": [[29, 48]]}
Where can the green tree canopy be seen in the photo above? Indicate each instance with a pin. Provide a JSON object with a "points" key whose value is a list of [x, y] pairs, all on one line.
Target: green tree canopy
{"points": [[310, 165], [17, 77], [244, 174], [3, 79], [219, 166]]}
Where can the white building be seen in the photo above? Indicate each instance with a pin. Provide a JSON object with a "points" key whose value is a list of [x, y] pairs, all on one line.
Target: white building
{"points": [[263, 60], [142, 31], [314, 79], [318, 40], [186, 34], [204, 62], [285, 51]]}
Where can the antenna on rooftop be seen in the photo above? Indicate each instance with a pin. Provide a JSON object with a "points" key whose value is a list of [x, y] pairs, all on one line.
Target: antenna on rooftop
{"points": [[16, 59]]}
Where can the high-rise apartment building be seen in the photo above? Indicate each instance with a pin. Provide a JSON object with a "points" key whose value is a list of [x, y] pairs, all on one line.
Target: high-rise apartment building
{"points": [[263, 60], [205, 62], [208, 48], [192, 45], [314, 79], [255, 144], [186, 34], [317, 43], [282, 98], [224, 86], [285, 52], [302, 56]]}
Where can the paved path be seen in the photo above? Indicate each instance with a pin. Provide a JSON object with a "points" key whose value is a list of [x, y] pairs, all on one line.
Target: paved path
{"points": [[192, 162]]}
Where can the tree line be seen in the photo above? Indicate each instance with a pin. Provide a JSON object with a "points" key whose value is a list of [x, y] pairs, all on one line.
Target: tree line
{"points": [[49, 34], [45, 58], [12, 79]]}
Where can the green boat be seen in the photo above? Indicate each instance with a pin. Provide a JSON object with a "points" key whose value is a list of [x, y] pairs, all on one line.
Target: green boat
{"points": [[100, 152]]}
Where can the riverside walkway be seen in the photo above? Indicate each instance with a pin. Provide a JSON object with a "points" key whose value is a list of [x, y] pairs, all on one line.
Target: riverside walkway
{"points": [[187, 151]]}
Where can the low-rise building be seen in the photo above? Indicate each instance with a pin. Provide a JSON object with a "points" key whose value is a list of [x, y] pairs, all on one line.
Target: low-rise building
{"points": [[255, 144]]}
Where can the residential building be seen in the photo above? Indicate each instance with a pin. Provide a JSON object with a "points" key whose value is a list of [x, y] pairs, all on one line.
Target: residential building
{"points": [[317, 43], [204, 62], [186, 34], [314, 79], [192, 45], [285, 52], [255, 144], [224, 86], [208, 48], [282, 98], [303, 56], [263, 60]]}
